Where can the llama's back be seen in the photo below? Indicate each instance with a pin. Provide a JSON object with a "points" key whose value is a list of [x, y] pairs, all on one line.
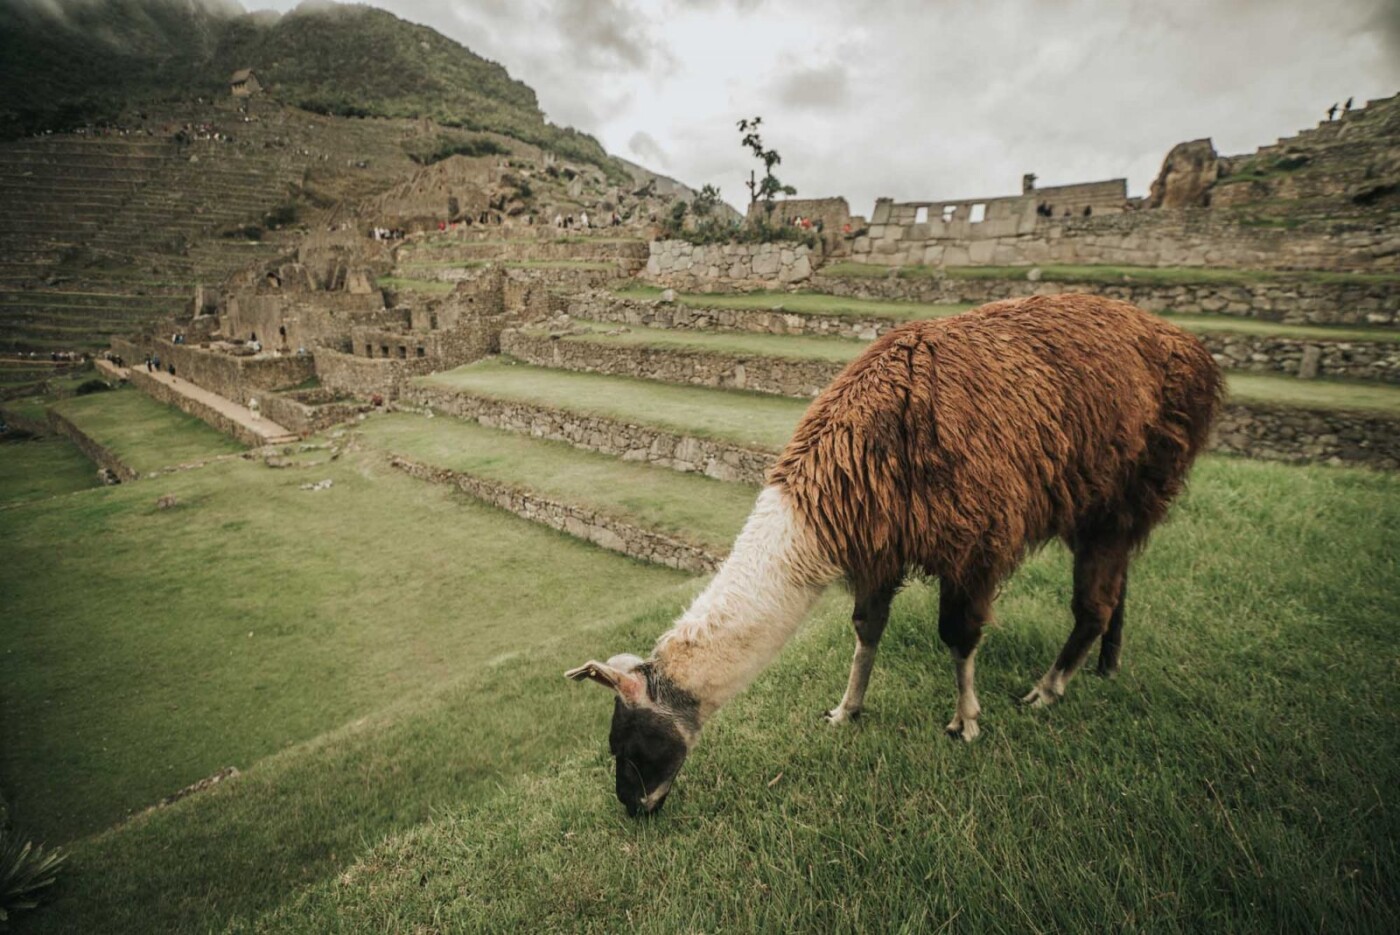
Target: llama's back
{"points": [[953, 445]]}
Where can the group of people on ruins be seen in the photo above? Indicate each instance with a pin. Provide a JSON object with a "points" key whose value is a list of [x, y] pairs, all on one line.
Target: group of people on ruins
{"points": [[1332, 111], [388, 233]]}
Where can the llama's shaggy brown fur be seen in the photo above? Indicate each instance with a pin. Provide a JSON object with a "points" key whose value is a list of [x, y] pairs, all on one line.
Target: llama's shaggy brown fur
{"points": [[952, 446]]}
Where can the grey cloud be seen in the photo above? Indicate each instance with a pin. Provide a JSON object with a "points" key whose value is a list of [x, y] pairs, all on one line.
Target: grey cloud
{"points": [[644, 146], [819, 88], [604, 32]]}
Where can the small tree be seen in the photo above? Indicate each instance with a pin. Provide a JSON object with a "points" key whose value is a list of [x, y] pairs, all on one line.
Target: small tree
{"points": [[705, 202], [769, 187]]}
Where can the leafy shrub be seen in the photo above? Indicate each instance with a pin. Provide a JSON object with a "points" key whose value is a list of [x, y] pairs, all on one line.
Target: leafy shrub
{"points": [[24, 870], [88, 387], [281, 216]]}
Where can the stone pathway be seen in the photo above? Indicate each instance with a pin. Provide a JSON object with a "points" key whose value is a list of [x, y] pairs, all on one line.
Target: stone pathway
{"points": [[266, 431]]}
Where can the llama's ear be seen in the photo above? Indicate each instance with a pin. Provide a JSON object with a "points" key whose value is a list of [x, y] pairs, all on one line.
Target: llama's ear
{"points": [[619, 673]]}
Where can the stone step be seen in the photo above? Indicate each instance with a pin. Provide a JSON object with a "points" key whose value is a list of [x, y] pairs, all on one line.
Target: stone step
{"points": [[683, 521]]}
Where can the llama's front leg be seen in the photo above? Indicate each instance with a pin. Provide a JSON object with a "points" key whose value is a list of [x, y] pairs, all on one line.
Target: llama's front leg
{"points": [[962, 613], [871, 613]]}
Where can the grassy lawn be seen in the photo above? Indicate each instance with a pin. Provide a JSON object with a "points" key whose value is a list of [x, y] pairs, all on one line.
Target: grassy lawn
{"points": [[688, 506], [1165, 275], [1314, 394], [1234, 778], [35, 468], [810, 303], [143, 433], [149, 648], [800, 347], [752, 419], [1231, 324]]}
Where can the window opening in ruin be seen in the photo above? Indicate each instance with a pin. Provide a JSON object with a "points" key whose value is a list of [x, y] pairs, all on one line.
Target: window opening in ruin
{"points": [[403, 352], [384, 350], [948, 212], [369, 350], [422, 353], [921, 215], [978, 213]]}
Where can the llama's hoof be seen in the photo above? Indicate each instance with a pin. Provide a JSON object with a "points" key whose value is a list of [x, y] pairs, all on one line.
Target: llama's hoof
{"points": [[1107, 670], [840, 715], [1040, 697], [962, 729]]}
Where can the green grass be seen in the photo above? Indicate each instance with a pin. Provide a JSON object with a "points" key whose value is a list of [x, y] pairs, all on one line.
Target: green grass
{"points": [[1163, 275], [800, 347], [402, 284], [35, 468], [1314, 394], [144, 434], [688, 506], [751, 419], [150, 648], [1231, 324], [810, 303], [1233, 779]]}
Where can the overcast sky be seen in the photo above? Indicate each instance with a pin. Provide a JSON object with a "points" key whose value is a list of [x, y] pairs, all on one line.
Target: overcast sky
{"points": [[927, 99]]}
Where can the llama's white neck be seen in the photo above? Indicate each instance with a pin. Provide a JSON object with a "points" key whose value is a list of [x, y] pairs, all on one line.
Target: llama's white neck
{"points": [[748, 612]]}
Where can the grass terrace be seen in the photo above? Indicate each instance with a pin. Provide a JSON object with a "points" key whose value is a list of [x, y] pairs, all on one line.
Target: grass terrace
{"points": [[751, 419], [810, 303], [37, 468], [1314, 394], [800, 347], [691, 507], [144, 434], [404, 284], [1165, 275]]}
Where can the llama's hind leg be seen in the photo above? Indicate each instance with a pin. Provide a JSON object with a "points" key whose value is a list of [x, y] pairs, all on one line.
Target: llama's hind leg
{"points": [[962, 613], [872, 612], [1100, 572]]}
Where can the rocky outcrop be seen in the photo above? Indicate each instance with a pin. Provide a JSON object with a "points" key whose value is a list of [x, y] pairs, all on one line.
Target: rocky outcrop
{"points": [[1188, 172]]}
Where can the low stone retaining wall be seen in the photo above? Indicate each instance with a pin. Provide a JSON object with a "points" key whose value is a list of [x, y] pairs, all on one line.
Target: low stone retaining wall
{"points": [[364, 376], [1357, 360], [306, 418], [1296, 301], [783, 376], [1286, 433], [729, 266], [235, 378], [605, 306], [605, 531], [713, 458], [94, 450], [164, 393], [19, 422]]}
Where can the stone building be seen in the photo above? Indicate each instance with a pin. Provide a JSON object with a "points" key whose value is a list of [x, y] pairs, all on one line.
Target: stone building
{"points": [[244, 83]]}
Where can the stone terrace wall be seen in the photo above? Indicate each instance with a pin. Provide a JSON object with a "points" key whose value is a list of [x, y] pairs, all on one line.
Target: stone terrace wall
{"points": [[717, 459], [162, 392], [304, 418], [598, 528], [1157, 237], [231, 377], [1352, 360], [95, 452], [1291, 301], [728, 266], [782, 376], [363, 377], [1283, 433], [604, 306]]}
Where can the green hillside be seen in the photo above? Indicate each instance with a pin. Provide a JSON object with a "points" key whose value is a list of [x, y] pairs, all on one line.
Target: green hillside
{"points": [[69, 62]]}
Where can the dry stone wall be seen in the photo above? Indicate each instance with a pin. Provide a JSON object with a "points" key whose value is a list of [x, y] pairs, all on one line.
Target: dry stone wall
{"points": [[363, 376], [234, 378], [718, 459], [162, 392], [606, 531], [604, 306], [782, 376], [1284, 433], [1356, 360], [707, 267], [1160, 237], [92, 449], [1290, 301]]}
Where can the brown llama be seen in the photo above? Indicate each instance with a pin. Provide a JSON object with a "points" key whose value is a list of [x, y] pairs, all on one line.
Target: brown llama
{"points": [[948, 448]]}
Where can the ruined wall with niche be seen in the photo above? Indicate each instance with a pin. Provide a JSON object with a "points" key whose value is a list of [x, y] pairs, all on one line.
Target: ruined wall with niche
{"points": [[312, 319], [1011, 233]]}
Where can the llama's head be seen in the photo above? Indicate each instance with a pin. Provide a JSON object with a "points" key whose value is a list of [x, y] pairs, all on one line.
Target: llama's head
{"points": [[654, 726]]}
